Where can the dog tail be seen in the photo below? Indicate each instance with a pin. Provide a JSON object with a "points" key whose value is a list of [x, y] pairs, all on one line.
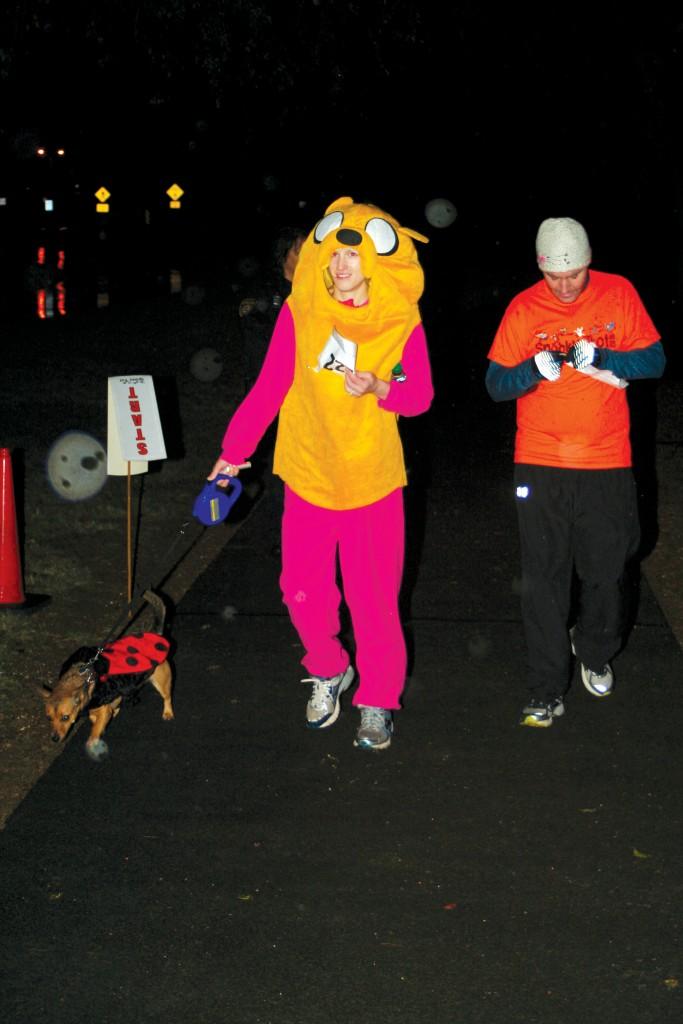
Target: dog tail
{"points": [[159, 608]]}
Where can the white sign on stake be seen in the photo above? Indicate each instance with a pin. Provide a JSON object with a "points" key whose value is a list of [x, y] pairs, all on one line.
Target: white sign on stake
{"points": [[116, 464], [135, 433]]}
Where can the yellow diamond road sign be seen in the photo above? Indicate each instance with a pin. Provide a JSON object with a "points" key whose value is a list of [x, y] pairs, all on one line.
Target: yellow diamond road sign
{"points": [[102, 194], [175, 192]]}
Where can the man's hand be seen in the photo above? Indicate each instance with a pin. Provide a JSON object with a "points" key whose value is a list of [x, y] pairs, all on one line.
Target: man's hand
{"points": [[365, 383], [221, 467], [549, 364], [583, 354]]}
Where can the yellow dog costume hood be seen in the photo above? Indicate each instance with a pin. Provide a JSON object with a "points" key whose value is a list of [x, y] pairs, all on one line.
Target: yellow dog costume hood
{"points": [[388, 259], [334, 450]]}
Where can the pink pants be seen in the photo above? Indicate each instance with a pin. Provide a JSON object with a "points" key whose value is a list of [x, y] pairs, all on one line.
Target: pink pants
{"points": [[370, 542]]}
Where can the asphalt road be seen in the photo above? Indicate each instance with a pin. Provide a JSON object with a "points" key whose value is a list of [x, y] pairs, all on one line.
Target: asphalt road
{"points": [[233, 867]]}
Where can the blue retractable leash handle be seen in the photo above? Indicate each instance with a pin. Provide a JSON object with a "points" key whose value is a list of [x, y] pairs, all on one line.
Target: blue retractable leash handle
{"points": [[213, 503]]}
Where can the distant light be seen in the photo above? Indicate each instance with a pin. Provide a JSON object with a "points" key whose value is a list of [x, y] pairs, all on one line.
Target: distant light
{"points": [[40, 152], [61, 299], [60, 152], [45, 304], [60, 260], [49, 205], [524, 491], [3, 201], [41, 256]]}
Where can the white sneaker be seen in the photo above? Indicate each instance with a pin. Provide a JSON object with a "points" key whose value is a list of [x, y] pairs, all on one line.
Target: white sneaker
{"points": [[375, 729], [599, 684], [540, 713], [323, 707]]}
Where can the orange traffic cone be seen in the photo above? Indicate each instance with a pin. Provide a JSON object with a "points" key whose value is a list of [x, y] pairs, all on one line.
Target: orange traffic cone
{"points": [[11, 585]]}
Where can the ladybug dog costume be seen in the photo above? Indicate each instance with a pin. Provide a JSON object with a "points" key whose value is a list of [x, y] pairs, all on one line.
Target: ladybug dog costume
{"points": [[100, 680]]}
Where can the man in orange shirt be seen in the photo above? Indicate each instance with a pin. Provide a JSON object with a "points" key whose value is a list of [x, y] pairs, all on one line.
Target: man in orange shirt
{"points": [[565, 350]]}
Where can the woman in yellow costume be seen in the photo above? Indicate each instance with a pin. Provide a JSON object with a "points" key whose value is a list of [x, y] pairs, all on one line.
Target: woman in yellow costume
{"points": [[347, 357]]}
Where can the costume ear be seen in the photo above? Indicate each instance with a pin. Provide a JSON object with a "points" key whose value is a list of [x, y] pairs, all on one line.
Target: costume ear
{"points": [[383, 235], [414, 234], [329, 223], [342, 201]]}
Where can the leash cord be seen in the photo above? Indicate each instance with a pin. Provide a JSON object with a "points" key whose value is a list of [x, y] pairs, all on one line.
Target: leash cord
{"points": [[127, 615]]}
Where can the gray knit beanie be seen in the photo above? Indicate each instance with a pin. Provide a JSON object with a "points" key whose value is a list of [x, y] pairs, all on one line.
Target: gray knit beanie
{"points": [[562, 244]]}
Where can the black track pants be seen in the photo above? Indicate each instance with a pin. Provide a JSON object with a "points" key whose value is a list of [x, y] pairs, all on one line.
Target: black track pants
{"points": [[573, 520]]}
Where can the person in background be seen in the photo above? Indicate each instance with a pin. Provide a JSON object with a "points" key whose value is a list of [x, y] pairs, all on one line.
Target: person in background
{"points": [[259, 307]]}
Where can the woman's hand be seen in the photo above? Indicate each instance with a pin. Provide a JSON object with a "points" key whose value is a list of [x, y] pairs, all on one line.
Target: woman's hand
{"points": [[363, 382], [221, 467]]}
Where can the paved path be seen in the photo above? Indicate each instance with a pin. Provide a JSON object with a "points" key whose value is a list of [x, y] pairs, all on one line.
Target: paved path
{"points": [[234, 868]]}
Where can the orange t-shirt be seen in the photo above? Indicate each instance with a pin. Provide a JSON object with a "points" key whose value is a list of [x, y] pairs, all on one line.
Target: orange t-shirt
{"points": [[579, 421]]}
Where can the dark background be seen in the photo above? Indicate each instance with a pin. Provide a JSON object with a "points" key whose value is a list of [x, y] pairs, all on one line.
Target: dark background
{"points": [[264, 112]]}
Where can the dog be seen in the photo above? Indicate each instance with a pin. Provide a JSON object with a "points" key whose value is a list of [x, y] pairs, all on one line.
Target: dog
{"points": [[99, 680]]}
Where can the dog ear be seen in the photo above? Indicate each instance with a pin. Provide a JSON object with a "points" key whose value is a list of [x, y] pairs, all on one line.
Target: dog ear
{"points": [[44, 691]]}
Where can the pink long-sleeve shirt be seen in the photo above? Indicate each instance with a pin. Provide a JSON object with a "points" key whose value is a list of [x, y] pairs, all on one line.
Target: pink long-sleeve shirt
{"points": [[259, 408]]}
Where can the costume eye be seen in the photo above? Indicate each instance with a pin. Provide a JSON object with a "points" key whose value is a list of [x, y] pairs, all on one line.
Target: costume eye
{"points": [[65, 718], [329, 223], [383, 235]]}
